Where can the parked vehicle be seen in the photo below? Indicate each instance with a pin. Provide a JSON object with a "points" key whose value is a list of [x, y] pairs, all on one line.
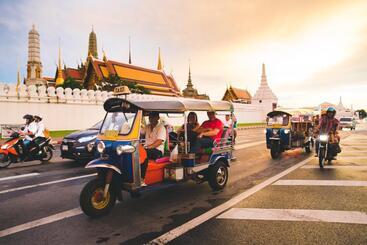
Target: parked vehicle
{"points": [[14, 151], [118, 164], [347, 122], [288, 130], [74, 146]]}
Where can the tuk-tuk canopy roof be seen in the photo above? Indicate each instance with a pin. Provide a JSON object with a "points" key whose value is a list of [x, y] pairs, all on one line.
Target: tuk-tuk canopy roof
{"points": [[165, 104], [291, 112]]}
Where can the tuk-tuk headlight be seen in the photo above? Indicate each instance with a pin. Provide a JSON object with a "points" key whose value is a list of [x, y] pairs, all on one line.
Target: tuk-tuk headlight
{"points": [[324, 138], [101, 147], [275, 131], [120, 149], [286, 131], [90, 146]]}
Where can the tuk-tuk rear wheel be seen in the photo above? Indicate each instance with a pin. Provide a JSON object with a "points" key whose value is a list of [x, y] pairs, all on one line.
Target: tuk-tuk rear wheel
{"points": [[92, 201], [275, 151], [218, 176]]}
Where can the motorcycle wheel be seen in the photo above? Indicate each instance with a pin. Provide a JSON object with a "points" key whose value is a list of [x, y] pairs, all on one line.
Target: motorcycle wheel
{"points": [[4, 161], [91, 199], [275, 151], [309, 146], [322, 158], [48, 154]]}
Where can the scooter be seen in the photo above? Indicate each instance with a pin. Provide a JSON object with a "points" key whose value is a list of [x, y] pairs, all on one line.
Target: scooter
{"points": [[14, 151], [326, 150]]}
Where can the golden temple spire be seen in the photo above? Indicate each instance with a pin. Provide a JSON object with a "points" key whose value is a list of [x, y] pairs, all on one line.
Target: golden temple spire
{"points": [[159, 66], [129, 50], [104, 55], [92, 45], [60, 79]]}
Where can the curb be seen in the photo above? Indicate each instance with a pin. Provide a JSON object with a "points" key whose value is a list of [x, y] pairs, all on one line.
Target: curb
{"points": [[251, 127]]}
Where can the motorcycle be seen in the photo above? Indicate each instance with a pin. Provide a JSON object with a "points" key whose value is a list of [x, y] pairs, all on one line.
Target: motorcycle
{"points": [[326, 149], [14, 151]]}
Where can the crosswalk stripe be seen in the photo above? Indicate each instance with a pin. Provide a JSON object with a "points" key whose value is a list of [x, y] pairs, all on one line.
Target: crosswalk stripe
{"points": [[349, 217], [322, 182], [338, 166]]}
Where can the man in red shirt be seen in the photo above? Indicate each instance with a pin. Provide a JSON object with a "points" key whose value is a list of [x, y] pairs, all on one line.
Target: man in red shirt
{"points": [[208, 132]]}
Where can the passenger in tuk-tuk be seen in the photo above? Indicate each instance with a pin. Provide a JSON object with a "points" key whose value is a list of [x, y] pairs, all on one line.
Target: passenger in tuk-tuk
{"points": [[208, 132], [192, 127], [155, 136]]}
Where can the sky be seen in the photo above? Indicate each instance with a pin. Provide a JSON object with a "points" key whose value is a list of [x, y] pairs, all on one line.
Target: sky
{"points": [[314, 51]]}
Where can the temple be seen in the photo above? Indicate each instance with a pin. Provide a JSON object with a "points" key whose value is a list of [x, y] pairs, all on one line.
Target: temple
{"points": [[34, 64], [93, 72], [237, 95], [191, 92], [264, 94]]}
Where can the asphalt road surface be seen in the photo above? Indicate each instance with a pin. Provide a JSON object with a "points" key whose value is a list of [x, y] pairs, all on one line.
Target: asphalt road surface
{"points": [[265, 201]]}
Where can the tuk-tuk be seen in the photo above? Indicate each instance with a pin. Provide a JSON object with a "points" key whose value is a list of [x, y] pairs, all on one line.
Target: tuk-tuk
{"points": [[288, 130], [118, 151]]}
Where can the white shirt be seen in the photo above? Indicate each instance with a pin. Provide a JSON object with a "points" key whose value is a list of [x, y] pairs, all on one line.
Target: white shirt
{"points": [[158, 132], [30, 128], [227, 124], [40, 130]]}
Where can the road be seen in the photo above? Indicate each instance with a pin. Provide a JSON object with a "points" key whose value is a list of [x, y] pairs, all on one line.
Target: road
{"points": [[39, 204]]}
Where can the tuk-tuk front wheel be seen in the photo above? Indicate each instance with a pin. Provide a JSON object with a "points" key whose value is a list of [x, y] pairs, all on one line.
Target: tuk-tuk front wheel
{"points": [[275, 151], [218, 176], [92, 201]]}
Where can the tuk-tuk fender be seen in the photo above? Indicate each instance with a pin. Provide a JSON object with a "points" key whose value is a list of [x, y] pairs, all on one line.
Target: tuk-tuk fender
{"points": [[99, 163], [220, 158]]}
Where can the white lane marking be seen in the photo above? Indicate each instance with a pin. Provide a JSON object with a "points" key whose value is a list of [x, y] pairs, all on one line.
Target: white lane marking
{"points": [[321, 182], [46, 183], [178, 231], [243, 146], [351, 157], [19, 176], [338, 166], [347, 217], [42, 221]]}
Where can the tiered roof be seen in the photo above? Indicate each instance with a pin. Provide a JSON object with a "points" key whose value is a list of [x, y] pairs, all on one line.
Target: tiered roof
{"points": [[264, 92]]}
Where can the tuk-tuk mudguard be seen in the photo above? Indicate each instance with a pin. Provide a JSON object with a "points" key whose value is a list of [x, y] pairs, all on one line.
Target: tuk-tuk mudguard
{"points": [[100, 163], [222, 156], [284, 138]]}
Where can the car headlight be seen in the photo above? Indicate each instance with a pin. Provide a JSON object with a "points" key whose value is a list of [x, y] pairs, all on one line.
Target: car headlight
{"points": [[101, 147], [286, 131], [5, 146], [324, 138], [90, 146], [125, 149], [87, 138]]}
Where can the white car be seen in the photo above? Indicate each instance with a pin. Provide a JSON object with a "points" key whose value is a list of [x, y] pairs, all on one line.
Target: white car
{"points": [[347, 122]]}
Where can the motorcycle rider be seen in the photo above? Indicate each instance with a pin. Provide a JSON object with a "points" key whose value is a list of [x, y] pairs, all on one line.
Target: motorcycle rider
{"points": [[39, 136], [329, 124], [29, 130]]}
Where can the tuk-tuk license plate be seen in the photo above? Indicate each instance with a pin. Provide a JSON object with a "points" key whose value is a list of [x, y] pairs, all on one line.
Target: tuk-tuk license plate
{"points": [[64, 147]]}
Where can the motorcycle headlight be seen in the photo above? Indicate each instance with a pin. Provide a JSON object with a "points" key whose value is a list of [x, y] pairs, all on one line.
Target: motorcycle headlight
{"points": [[90, 146], [286, 131], [101, 147], [125, 149], [324, 138], [87, 138]]}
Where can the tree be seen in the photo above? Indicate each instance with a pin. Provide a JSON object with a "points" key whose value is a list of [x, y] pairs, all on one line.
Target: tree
{"points": [[113, 81], [71, 83], [362, 113]]}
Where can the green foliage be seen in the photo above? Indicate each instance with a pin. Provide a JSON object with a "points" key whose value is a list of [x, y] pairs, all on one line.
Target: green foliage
{"points": [[71, 83], [114, 81], [362, 113]]}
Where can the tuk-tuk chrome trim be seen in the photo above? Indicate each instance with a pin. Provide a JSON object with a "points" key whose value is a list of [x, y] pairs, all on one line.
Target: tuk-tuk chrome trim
{"points": [[104, 165]]}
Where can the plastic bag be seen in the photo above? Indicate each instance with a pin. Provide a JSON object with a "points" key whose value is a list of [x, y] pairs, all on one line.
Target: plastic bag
{"points": [[174, 154]]}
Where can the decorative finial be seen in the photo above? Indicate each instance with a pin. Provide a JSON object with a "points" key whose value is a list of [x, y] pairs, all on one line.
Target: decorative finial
{"points": [[159, 66], [129, 50], [60, 79]]}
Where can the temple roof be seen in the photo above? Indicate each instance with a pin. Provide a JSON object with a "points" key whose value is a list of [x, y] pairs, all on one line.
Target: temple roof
{"points": [[157, 81], [239, 94]]}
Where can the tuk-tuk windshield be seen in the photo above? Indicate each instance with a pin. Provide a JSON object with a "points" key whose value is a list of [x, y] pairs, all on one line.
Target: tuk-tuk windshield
{"points": [[278, 120], [118, 122]]}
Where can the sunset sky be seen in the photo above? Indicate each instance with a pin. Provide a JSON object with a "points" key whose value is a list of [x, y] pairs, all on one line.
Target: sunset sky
{"points": [[314, 51]]}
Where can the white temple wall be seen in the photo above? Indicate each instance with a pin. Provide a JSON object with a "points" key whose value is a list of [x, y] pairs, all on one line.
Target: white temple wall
{"points": [[79, 109]]}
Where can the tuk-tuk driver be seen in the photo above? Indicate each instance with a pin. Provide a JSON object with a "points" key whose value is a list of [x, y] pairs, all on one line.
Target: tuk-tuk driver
{"points": [[155, 136], [208, 132]]}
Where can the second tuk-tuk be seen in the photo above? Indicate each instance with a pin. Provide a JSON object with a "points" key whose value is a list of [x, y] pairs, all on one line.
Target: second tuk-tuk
{"points": [[118, 156], [288, 130]]}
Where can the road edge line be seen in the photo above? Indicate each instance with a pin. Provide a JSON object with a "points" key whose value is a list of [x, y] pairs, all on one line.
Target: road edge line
{"points": [[182, 229]]}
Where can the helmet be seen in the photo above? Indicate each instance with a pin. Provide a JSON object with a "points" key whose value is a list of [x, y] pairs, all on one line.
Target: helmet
{"points": [[27, 116], [332, 110], [39, 117]]}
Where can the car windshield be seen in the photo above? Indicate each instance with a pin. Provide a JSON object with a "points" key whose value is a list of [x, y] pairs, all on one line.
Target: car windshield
{"points": [[345, 119], [278, 120], [97, 126], [118, 123]]}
